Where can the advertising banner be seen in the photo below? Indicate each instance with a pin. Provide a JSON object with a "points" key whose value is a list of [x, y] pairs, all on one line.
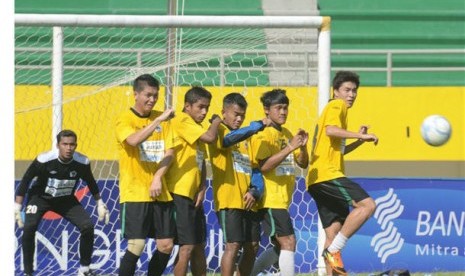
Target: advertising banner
{"points": [[418, 225]]}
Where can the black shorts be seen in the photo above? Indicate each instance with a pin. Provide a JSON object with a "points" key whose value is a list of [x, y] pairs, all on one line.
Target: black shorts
{"points": [[276, 222], [68, 207], [140, 220], [239, 225], [191, 226], [334, 197]]}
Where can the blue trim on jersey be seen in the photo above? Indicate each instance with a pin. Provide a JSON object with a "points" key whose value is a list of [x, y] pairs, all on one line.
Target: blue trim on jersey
{"points": [[257, 185], [241, 134]]}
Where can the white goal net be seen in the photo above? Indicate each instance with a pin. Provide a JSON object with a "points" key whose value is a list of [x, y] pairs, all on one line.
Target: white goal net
{"points": [[75, 71]]}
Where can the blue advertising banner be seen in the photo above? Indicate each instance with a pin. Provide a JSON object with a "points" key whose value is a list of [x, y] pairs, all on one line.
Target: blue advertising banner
{"points": [[418, 225]]}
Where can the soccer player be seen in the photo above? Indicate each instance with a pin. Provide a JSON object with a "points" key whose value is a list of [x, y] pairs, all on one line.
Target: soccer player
{"points": [[276, 152], [186, 179], [233, 197], [143, 136], [58, 172], [327, 184]]}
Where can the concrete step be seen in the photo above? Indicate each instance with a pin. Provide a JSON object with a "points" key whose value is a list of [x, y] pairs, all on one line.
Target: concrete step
{"points": [[295, 49]]}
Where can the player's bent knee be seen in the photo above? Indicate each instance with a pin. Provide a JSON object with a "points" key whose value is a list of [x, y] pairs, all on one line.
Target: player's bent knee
{"points": [[233, 246], [165, 245], [250, 248], [370, 206], [186, 250], [136, 246], [287, 242]]}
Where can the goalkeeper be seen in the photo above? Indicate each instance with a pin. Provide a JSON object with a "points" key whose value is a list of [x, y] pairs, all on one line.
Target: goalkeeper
{"points": [[58, 171]]}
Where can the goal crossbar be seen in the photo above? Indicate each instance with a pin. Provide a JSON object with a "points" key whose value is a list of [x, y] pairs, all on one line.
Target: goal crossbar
{"points": [[170, 21]]}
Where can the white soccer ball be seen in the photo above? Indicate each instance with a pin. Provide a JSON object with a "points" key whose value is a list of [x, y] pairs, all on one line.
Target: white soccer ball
{"points": [[435, 130]]}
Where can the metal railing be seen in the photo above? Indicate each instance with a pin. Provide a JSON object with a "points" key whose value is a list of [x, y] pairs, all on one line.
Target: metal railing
{"points": [[305, 58], [389, 69]]}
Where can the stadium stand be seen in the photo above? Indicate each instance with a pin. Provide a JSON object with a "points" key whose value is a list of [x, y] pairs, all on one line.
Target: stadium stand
{"points": [[367, 25], [140, 7], [403, 25], [100, 45], [142, 39]]}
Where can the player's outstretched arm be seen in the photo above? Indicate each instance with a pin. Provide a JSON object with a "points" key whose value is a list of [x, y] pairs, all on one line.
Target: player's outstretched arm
{"points": [[102, 210], [365, 137], [239, 135]]}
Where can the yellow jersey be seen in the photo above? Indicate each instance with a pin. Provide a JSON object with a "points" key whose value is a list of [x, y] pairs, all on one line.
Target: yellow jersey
{"points": [[231, 171], [184, 175], [137, 165], [327, 156], [279, 182]]}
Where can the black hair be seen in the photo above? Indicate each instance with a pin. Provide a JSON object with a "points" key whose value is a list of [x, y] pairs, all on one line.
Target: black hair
{"points": [[145, 80], [196, 93], [235, 98], [66, 133], [275, 96], [344, 76]]}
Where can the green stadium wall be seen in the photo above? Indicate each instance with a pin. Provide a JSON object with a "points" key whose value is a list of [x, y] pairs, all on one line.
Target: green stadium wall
{"points": [[399, 24], [363, 24], [140, 7]]}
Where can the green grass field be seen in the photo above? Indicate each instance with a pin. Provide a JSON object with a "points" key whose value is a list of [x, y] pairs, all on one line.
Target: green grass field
{"points": [[458, 273], [377, 273]]}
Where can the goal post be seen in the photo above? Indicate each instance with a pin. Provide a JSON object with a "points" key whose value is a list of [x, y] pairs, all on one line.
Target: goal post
{"points": [[74, 71]]}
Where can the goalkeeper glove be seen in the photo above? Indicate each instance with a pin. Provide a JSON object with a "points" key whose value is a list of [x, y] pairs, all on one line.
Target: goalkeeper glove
{"points": [[18, 215], [102, 210]]}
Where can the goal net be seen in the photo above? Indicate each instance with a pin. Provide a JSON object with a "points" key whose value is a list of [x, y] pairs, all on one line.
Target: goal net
{"points": [[75, 72]]}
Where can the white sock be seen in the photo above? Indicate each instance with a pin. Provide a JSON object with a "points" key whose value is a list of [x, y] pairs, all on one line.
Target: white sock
{"points": [[286, 263], [265, 260], [338, 243], [84, 269]]}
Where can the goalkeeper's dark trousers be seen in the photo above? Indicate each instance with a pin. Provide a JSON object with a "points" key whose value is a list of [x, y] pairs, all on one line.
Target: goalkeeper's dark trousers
{"points": [[70, 209]]}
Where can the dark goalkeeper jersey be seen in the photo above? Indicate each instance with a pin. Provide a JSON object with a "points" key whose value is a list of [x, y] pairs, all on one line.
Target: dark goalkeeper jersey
{"points": [[56, 179]]}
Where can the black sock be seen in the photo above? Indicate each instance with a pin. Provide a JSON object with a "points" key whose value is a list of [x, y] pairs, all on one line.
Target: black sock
{"points": [[158, 263], [128, 264]]}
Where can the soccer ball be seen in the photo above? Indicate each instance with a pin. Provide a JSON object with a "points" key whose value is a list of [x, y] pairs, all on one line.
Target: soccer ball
{"points": [[435, 130]]}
